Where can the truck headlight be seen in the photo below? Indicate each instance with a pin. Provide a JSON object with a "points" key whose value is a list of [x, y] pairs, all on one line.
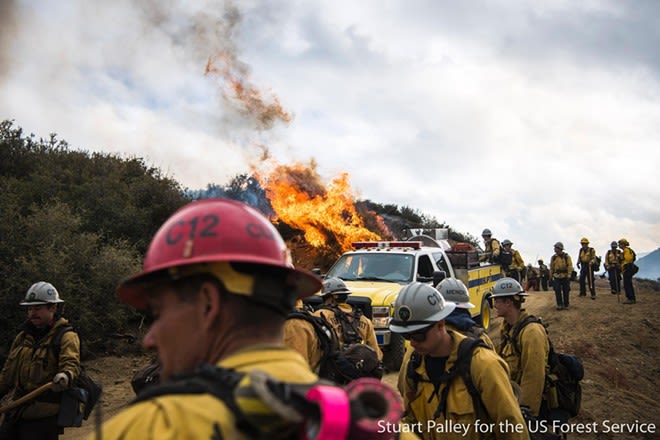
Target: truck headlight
{"points": [[381, 322], [380, 317]]}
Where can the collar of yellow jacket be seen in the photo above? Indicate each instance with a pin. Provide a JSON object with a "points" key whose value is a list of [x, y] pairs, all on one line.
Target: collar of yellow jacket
{"points": [[248, 356], [506, 327], [453, 355]]}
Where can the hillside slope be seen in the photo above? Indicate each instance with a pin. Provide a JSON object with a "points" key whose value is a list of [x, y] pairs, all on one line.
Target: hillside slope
{"points": [[649, 266]]}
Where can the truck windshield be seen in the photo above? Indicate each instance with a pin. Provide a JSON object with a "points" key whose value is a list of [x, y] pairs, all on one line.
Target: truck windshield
{"points": [[374, 267]]}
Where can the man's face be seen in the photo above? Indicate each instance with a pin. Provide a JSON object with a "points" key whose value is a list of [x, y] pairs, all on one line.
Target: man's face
{"points": [[41, 315], [557, 250], [430, 343], [501, 306], [176, 333]]}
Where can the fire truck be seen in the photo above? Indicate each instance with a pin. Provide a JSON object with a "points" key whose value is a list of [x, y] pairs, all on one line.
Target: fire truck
{"points": [[376, 271]]}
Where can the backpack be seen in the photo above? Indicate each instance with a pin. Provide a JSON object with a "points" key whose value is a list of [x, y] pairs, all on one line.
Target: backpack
{"points": [[505, 258], [564, 374], [146, 376], [352, 359], [315, 407], [461, 368], [79, 399], [595, 266]]}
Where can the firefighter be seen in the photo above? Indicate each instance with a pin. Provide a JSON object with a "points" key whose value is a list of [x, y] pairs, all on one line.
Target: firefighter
{"points": [[517, 266], [218, 279], [561, 268], [433, 386], [628, 267], [491, 247], [544, 273], [526, 361], [532, 278], [613, 267], [344, 318], [32, 362], [585, 262]]}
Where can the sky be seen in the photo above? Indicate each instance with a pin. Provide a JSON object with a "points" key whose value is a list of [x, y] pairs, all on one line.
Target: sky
{"points": [[537, 119]]}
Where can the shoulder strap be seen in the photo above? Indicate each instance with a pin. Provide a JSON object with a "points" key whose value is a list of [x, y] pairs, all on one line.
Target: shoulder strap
{"points": [[463, 366], [207, 379], [517, 329], [349, 328], [56, 344], [326, 336]]}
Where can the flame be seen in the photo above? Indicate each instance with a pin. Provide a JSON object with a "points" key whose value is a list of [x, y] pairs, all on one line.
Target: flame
{"points": [[243, 96], [325, 214]]}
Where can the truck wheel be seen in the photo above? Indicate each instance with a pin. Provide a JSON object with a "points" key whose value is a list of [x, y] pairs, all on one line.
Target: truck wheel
{"points": [[393, 357], [484, 317]]}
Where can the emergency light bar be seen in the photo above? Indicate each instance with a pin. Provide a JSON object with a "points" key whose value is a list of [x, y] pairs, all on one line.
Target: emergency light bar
{"points": [[387, 244]]}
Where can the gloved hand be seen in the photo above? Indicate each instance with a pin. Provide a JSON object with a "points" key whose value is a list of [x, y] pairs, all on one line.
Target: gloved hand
{"points": [[60, 382]]}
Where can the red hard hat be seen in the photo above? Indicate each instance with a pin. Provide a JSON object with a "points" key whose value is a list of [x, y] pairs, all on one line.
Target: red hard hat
{"points": [[215, 231]]}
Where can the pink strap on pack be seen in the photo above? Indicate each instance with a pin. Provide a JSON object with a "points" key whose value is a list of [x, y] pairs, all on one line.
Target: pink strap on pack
{"points": [[335, 414]]}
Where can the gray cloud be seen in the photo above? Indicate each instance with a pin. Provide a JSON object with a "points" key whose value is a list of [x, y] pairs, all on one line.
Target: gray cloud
{"points": [[8, 26], [538, 120]]}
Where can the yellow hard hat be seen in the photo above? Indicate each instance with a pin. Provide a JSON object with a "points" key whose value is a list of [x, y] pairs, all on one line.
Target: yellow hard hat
{"points": [[584, 240], [624, 242]]}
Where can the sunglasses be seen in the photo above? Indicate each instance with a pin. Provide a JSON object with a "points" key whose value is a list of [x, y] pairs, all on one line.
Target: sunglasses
{"points": [[418, 336]]}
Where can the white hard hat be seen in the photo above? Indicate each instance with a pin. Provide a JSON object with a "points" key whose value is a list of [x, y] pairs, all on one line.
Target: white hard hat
{"points": [[41, 293], [418, 306], [453, 290]]}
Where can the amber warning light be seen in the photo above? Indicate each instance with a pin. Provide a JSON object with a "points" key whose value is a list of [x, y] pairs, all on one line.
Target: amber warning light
{"points": [[387, 244]]}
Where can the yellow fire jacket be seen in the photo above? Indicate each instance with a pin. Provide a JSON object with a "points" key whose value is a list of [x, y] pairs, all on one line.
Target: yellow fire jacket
{"points": [[628, 257], [490, 376], [491, 250], [203, 416], [517, 262], [528, 366], [365, 327], [587, 256], [561, 266], [32, 363], [300, 336], [613, 259]]}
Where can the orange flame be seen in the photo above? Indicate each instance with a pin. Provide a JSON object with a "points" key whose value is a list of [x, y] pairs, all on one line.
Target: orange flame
{"points": [[324, 213], [246, 98]]}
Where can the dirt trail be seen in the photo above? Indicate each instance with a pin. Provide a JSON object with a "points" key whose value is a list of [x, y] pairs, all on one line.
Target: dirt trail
{"points": [[618, 344]]}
